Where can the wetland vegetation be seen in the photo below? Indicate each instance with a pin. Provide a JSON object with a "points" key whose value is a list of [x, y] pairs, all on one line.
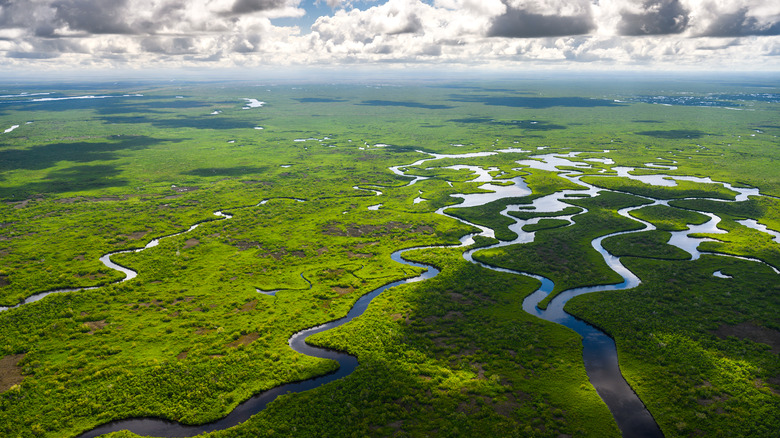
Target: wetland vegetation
{"points": [[313, 205]]}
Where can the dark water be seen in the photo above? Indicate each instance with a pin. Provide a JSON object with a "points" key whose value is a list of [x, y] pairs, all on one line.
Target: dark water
{"points": [[106, 260], [599, 355], [347, 364], [599, 352]]}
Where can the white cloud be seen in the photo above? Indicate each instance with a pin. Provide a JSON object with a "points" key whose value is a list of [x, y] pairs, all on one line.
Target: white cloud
{"points": [[672, 33], [735, 18], [690, 18], [488, 8]]}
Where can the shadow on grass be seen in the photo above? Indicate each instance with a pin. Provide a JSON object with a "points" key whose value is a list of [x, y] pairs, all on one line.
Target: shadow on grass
{"points": [[674, 134], [45, 156], [125, 107], [538, 125], [64, 105], [114, 104], [71, 179], [199, 122], [485, 89], [226, 171], [536, 102], [319, 100], [407, 104]]}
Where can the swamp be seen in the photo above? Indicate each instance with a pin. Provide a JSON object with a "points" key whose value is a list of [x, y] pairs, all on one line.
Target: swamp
{"points": [[545, 257]]}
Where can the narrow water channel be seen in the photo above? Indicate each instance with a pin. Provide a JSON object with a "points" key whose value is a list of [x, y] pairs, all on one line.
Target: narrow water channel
{"points": [[106, 260], [599, 351], [347, 364]]}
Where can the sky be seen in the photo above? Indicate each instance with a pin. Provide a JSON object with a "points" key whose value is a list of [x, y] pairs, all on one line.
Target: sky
{"points": [[645, 35]]}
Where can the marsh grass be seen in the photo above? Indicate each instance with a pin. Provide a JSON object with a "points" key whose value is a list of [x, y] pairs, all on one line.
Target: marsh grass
{"points": [[190, 337]]}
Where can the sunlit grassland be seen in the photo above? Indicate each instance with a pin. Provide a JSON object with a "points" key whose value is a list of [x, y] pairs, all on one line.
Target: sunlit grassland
{"points": [[739, 239], [650, 244], [565, 254], [765, 210], [545, 224], [190, 337], [667, 218], [683, 189], [456, 356], [690, 376], [540, 182]]}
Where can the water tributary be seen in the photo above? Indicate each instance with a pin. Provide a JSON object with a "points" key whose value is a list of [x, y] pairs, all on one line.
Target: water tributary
{"points": [[599, 351], [106, 260]]}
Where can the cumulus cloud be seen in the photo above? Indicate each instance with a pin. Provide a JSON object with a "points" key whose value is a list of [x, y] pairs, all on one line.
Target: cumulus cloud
{"points": [[91, 16], [392, 18], [690, 18], [31, 55], [466, 32], [654, 17], [52, 18], [171, 27], [612, 32], [543, 19], [736, 18], [250, 6], [738, 24], [336, 3], [170, 46]]}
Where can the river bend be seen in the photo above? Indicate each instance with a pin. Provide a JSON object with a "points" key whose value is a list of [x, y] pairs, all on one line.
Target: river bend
{"points": [[599, 351]]}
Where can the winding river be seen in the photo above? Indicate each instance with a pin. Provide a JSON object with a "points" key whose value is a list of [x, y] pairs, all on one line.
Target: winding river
{"points": [[599, 350], [347, 364], [106, 260]]}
